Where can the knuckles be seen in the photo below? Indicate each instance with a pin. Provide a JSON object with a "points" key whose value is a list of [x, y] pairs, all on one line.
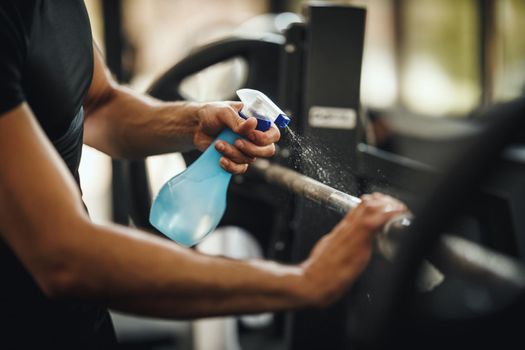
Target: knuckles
{"points": [[271, 150], [369, 206]]}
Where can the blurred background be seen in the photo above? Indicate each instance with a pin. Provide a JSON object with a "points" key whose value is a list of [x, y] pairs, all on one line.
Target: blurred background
{"points": [[424, 56], [429, 58]]}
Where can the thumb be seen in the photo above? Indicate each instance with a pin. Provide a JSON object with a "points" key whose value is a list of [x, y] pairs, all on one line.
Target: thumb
{"points": [[236, 105], [240, 125], [230, 117]]}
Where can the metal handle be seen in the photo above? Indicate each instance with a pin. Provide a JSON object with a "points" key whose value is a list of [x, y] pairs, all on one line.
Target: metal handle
{"points": [[452, 254]]}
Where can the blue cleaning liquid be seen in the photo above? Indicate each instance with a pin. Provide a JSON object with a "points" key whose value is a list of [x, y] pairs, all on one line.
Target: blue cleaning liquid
{"points": [[191, 204]]}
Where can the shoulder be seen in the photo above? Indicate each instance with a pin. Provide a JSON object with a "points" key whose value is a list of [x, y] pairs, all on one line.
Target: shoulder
{"points": [[16, 18]]}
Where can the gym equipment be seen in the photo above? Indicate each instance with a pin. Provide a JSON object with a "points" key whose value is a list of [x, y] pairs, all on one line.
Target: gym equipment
{"points": [[458, 182], [452, 254]]}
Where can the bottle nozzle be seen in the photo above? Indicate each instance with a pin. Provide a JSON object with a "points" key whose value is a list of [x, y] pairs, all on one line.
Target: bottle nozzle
{"points": [[282, 121], [258, 105]]}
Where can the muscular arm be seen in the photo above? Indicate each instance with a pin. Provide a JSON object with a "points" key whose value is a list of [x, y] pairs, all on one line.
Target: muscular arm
{"points": [[126, 124]]}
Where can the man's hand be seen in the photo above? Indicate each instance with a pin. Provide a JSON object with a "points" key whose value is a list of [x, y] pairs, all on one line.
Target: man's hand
{"points": [[339, 257], [214, 117]]}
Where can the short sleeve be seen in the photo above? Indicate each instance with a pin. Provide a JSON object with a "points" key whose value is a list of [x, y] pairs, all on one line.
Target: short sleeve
{"points": [[12, 56]]}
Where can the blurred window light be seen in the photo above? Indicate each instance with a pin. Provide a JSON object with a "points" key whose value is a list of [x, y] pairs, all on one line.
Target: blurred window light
{"points": [[379, 83], [95, 180], [217, 82], [163, 167], [510, 46], [379, 80], [285, 19], [440, 74], [163, 32], [429, 90], [94, 8]]}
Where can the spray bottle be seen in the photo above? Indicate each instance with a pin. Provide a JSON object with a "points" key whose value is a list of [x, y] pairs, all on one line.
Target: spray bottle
{"points": [[190, 205]]}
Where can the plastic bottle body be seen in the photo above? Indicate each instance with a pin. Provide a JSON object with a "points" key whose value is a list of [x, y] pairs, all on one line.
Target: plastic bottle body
{"points": [[191, 204]]}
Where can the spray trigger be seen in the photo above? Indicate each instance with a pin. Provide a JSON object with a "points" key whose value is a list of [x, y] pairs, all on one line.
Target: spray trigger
{"points": [[259, 106]]}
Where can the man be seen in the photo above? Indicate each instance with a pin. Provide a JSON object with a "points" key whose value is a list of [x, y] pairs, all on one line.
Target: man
{"points": [[60, 271]]}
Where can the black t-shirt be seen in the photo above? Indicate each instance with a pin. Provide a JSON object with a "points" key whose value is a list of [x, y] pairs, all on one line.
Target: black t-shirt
{"points": [[46, 60]]}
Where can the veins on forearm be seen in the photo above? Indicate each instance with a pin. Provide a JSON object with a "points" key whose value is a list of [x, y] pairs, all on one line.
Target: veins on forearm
{"points": [[133, 125]]}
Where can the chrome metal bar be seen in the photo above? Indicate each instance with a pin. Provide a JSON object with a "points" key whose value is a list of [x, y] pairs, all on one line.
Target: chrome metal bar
{"points": [[306, 186], [452, 254]]}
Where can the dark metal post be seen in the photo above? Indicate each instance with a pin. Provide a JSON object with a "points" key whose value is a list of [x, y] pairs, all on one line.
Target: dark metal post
{"points": [[278, 6], [330, 83]]}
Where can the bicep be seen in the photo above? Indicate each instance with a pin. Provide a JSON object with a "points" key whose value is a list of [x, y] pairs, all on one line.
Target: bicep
{"points": [[99, 96], [102, 84], [39, 200]]}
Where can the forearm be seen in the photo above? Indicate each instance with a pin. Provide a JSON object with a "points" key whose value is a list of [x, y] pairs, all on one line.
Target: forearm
{"points": [[126, 124], [199, 306], [162, 270]]}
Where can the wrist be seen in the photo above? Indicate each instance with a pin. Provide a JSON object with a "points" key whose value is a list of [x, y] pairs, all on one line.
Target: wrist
{"points": [[319, 288], [287, 283], [305, 290], [191, 111], [184, 120], [299, 288]]}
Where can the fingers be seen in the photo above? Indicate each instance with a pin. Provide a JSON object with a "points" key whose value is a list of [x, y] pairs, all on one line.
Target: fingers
{"points": [[382, 202], [233, 167], [202, 141], [242, 153], [267, 137], [260, 138], [233, 153], [374, 211], [253, 150], [236, 105], [380, 209], [214, 117], [246, 127], [227, 114]]}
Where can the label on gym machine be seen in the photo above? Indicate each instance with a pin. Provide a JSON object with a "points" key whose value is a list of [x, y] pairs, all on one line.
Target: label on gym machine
{"points": [[332, 117]]}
